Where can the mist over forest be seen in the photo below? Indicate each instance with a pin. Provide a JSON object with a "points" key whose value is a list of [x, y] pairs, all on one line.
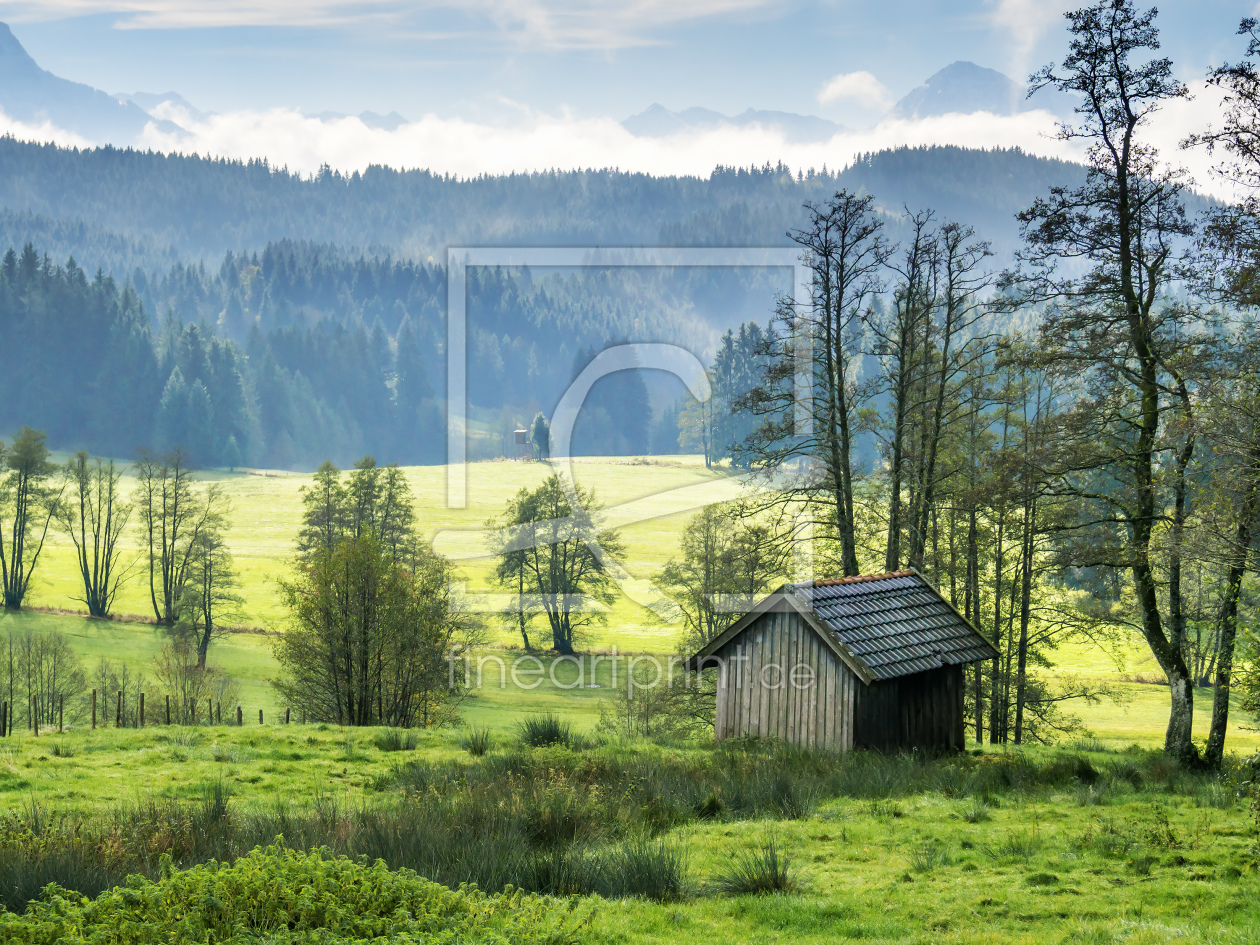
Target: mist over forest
{"points": [[263, 318]]}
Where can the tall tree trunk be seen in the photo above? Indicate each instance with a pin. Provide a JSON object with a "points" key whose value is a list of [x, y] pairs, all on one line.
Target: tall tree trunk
{"points": [[1227, 619]]}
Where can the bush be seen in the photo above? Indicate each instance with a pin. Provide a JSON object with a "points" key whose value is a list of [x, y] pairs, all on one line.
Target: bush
{"points": [[306, 894], [393, 739], [764, 870], [543, 731]]}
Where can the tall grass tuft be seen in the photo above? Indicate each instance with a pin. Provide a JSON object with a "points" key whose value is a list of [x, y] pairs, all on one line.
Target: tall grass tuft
{"points": [[393, 739], [543, 731], [976, 812], [476, 741], [752, 873]]}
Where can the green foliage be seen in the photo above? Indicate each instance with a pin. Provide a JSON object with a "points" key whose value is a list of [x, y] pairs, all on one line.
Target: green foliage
{"points": [[545, 541], [281, 896], [371, 636]]}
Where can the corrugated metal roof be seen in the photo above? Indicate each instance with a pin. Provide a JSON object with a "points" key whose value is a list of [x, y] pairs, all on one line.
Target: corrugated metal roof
{"points": [[896, 623]]}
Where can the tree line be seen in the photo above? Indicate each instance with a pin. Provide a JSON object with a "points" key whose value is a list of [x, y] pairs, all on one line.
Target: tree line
{"points": [[1066, 446]]}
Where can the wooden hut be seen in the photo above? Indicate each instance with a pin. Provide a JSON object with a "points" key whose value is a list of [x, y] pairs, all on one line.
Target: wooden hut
{"points": [[874, 661]]}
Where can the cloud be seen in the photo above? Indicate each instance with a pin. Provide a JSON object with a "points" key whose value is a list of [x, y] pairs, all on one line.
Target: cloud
{"points": [[466, 148], [1025, 22], [555, 24], [860, 87], [44, 131]]}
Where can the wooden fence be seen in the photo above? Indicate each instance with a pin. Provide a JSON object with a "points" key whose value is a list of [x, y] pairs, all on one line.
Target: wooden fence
{"points": [[213, 715]]}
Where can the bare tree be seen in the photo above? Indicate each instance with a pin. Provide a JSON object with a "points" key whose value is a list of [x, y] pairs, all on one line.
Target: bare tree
{"points": [[822, 340], [31, 504], [95, 516], [173, 514], [1120, 231]]}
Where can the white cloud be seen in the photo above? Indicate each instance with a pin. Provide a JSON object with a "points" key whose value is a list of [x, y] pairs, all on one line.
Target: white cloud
{"points": [[465, 148], [542, 142], [44, 131], [1025, 22], [557, 24], [860, 87]]}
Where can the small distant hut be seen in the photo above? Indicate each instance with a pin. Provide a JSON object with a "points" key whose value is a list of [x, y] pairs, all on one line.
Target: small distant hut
{"points": [[873, 661]]}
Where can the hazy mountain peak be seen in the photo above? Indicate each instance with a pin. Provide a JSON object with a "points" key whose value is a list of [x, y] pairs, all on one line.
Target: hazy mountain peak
{"points": [[34, 96], [657, 121], [964, 87], [151, 102]]}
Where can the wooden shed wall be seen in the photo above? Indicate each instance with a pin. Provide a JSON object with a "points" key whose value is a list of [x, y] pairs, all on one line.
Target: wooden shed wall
{"points": [[817, 716], [923, 711]]}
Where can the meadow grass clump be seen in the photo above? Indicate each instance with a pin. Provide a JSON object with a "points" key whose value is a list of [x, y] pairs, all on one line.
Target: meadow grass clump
{"points": [[928, 855], [977, 811], [476, 741], [644, 868], [757, 872], [1015, 845], [393, 739], [62, 750], [543, 731]]}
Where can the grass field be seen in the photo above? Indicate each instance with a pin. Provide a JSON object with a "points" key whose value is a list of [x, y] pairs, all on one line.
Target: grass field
{"points": [[648, 498], [1072, 844], [1098, 841]]}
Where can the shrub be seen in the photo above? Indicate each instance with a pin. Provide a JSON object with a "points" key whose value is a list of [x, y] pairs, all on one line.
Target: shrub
{"points": [[306, 894], [393, 739], [763, 870], [476, 741]]}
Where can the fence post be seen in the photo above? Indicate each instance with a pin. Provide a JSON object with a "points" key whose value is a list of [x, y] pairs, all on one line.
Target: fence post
{"points": [[239, 717], [168, 710], [260, 722], [286, 715], [141, 710], [93, 709], [61, 713]]}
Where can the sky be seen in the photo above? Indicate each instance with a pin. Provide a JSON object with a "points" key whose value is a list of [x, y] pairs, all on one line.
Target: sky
{"points": [[493, 85]]}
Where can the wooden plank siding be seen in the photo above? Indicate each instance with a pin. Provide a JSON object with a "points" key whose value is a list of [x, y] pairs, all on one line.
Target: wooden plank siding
{"points": [[757, 696], [923, 711]]}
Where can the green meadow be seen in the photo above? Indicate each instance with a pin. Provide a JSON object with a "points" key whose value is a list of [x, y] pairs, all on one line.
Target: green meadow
{"points": [[1094, 840], [648, 498]]}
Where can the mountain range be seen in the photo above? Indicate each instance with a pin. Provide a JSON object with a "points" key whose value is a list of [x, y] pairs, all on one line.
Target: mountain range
{"points": [[960, 88], [35, 96]]}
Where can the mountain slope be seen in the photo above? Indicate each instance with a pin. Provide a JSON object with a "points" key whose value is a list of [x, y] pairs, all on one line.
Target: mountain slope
{"points": [[34, 96]]}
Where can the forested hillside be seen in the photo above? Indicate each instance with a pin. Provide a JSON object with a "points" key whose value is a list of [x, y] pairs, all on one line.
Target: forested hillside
{"points": [[202, 207], [258, 317]]}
